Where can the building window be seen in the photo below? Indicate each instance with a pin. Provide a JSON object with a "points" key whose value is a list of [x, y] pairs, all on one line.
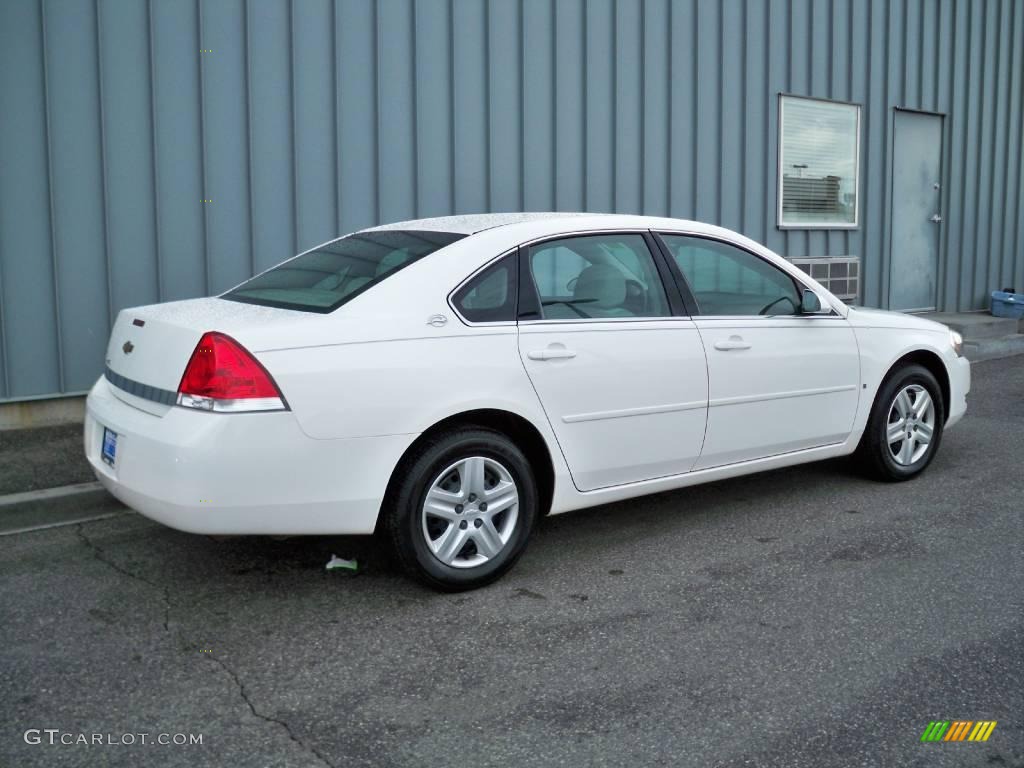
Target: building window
{"points": [[819, 151]]}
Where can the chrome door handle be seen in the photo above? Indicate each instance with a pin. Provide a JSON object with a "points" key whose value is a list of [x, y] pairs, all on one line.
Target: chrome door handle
{"points": [[733, 342], [551, 354], [936, 219]]}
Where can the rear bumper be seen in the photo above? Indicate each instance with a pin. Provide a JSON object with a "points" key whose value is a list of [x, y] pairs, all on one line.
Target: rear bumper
{"points": [[959, 387], [241, 473]]}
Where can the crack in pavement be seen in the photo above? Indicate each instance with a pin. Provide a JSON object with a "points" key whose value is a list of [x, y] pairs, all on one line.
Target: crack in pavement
{"points": [[267, 718], [102, 556]]}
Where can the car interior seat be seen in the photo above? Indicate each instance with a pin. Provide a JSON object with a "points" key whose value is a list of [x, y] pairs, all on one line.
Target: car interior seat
{"points": [[600, 291]]}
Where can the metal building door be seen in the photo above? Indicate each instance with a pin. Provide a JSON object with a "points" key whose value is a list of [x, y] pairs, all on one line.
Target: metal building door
{"points": [[916, 221]]}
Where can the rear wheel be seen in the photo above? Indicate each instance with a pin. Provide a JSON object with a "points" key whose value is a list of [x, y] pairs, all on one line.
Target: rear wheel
{"points": [[905, 426], [463, 508]]}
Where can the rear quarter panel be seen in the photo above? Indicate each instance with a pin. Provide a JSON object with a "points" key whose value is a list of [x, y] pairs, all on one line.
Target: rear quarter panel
{"points": [[404, 386]]}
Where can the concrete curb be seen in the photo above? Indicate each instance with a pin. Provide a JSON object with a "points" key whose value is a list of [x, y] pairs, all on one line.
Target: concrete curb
{"points": [[46, 412], [51, 507], [977, 350]]}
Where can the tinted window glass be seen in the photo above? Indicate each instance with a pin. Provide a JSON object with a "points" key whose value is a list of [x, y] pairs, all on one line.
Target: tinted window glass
{"points": [[726, 280], [597, 276], [489, 297], [324, 279]]}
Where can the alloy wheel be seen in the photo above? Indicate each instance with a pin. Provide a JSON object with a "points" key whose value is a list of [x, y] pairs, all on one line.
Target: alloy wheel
{"points": [[470, 512], [911, 425]]}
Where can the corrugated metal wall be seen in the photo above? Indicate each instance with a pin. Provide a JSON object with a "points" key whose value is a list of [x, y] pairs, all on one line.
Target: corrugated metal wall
{"points": [[299, 120]]}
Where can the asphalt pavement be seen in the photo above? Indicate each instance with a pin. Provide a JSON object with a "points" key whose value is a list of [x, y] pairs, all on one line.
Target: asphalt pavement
{"points": [[45, 457], [805, 617]]}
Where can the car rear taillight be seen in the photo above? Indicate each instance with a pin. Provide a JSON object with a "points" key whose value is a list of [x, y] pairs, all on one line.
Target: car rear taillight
{"points": [[222, 375]]}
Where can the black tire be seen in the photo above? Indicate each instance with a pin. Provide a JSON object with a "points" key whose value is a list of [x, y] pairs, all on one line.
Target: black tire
{"points": [[404, 525], [873, 453]]}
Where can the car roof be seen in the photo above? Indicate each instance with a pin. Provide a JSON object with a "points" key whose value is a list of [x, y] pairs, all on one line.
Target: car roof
{"points": [[469, 224]]}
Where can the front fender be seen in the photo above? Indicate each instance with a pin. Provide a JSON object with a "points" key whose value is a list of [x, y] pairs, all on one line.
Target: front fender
{"points": [[882, 348]]}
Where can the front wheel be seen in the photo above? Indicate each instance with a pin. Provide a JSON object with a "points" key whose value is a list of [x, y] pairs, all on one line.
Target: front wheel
{"points": [[905, 426], [463, 509]]}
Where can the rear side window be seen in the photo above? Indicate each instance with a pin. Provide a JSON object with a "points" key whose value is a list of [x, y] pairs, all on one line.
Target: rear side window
{"points": [[490, 296], [597, 277], [323, 279]]}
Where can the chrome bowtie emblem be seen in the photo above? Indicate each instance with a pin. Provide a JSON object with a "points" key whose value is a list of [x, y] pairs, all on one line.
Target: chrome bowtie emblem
{"points": [[127, 348]]}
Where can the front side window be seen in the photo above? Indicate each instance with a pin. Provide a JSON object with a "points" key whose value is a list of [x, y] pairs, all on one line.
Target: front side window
{"points": [[323, 279], [489, 297], [596, 277], [818, 163], [726, 280]]}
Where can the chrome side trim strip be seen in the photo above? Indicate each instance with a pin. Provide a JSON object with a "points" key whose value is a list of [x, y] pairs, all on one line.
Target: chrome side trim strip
{"points": [[642, 411], [717, 403]]}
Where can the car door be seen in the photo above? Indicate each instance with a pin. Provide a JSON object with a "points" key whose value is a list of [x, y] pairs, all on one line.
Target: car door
{"points": [[620, 374], [779, 381]]}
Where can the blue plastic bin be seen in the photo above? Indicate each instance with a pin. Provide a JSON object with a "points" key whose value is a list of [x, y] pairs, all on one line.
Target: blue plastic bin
{"points": [[1007, 304]]}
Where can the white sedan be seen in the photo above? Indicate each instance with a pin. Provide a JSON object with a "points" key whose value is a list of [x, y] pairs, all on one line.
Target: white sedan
{"points": [[446, 381]]}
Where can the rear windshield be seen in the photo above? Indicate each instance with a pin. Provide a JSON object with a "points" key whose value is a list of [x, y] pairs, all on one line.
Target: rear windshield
{"points": [[323, 279]]}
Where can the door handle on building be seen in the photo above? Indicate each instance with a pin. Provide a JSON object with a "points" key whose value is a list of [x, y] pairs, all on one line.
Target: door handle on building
{"points": [[936, 219], [733, 342]]}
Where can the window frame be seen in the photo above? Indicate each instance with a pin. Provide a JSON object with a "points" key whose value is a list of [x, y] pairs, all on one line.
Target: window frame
{"points": [[515, 287], [782, 96], [530, 311], [677, 273]]}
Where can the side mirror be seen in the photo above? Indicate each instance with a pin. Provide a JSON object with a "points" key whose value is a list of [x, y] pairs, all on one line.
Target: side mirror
{"points": [[810, 304]]}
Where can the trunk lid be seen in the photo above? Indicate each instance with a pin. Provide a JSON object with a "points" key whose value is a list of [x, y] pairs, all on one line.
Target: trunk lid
{"points": [[151, 345]]}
